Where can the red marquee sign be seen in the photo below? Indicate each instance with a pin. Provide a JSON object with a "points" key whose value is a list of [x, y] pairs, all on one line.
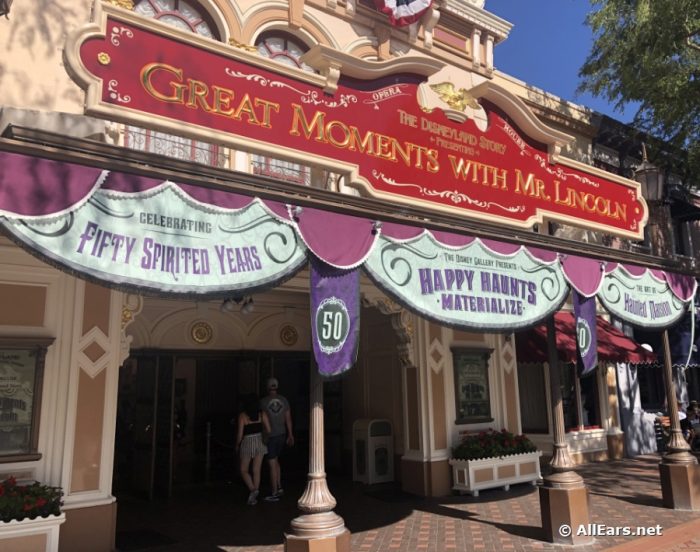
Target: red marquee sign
{"points": [[138, 71]]}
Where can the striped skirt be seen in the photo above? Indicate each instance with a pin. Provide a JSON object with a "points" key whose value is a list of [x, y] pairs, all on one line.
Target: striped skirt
{"points": [[252, 445]]}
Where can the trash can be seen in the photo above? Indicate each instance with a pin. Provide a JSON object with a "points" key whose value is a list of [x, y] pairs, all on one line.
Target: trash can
{"points": [[372, 451]]}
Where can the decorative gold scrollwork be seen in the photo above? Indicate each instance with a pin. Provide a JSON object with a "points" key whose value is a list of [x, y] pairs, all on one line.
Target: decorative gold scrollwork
{"points": [[247, 47], [125, 4]]}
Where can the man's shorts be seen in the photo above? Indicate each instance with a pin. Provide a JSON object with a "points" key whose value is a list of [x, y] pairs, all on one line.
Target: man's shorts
{"points": [[275, 444]]}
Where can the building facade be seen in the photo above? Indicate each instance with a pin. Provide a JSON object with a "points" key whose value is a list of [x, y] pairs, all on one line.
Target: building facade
{"points": [[123, 369]]}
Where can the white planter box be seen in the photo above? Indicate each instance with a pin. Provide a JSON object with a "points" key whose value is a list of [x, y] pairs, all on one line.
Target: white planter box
{"points": [[487, 473], [32, 535]]}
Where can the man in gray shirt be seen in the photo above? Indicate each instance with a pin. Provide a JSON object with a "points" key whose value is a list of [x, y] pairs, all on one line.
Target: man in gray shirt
{"points": [[280, 417]]}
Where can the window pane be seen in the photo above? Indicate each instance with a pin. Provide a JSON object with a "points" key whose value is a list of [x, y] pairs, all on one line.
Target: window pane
{"points": [[165, 5], [204, 30], [17, 373], [145, 9], [175, 22], [275, 44], [471, 371]]}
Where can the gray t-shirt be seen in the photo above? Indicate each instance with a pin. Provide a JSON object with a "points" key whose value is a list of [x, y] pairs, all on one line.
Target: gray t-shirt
{"points": [[275, 408]]}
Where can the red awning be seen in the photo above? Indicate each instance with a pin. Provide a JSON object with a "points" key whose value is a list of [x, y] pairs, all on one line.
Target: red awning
{"points": [[613, 345]]}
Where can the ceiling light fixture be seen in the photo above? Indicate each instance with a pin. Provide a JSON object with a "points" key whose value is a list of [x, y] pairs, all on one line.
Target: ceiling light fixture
{"points": [[241, 302]]}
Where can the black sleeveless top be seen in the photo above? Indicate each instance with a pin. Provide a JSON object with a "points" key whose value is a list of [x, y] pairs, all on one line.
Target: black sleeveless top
{"points": [[253, 427]]}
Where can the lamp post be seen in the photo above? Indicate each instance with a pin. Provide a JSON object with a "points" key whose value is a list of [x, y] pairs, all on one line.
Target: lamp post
{"points": [[653, 186], [678, 468]]}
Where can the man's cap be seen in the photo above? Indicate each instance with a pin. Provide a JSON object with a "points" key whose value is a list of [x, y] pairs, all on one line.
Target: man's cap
{"points": [[272, 383]]}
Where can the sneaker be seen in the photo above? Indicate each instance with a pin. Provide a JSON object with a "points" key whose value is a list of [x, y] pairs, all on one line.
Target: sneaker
{"points": [[253, 497], [272, 498], [279, 493]]}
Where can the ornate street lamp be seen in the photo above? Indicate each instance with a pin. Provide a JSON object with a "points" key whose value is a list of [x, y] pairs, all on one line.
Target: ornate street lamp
{"points": [[651, 178], [678, 467], [5, 7], [653, 184]]}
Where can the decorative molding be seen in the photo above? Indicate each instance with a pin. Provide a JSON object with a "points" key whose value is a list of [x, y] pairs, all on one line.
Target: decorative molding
{"points": [[296, 13], [201, 332], [289, 335], [431, 19], [328, 60], [508, 356], [401, 323], [132, 305], [350, 7], [467, 11], [436, 349], [383, 34], [92, 337]]}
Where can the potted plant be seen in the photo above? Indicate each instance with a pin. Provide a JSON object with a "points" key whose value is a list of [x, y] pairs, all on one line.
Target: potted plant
{"points": [[494, 459], [27, 511]]}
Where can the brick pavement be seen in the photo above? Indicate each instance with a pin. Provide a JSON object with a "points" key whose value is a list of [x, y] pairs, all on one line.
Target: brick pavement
{"points": [[382, 518]]}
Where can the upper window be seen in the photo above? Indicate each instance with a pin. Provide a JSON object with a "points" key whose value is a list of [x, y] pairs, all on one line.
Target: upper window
{"points": [[185, 16], [284, 49], [180, 14], [287, 50]]}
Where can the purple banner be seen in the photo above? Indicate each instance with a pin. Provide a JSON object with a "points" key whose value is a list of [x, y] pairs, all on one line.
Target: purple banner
{"points": [[586, 334], [335, 317]]}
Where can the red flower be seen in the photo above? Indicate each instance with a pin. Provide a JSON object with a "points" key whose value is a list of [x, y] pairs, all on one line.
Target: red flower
{"points": [[27, 507], [41, 501]]}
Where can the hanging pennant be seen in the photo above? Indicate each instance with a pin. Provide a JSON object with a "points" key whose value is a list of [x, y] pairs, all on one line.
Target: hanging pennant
{"points": [[586, 333], [335, 317], [403, 12]]}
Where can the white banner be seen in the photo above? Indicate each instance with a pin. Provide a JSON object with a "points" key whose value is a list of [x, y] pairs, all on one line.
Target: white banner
{"points": [[164, 240], [471, 287]]}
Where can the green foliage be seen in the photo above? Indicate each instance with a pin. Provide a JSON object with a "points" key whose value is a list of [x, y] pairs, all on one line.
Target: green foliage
{"points": [[28, 501], [489, 444], [648, 51]]}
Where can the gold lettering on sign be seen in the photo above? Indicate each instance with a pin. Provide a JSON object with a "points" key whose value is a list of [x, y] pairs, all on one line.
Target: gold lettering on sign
{"points": [[196, 94], [169, 84], [588, 202], [530, 186], [342, 135]]}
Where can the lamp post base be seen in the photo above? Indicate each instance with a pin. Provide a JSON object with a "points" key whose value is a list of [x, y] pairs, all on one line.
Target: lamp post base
{"points": [[680, 485], [564, 509], [322, 532]]}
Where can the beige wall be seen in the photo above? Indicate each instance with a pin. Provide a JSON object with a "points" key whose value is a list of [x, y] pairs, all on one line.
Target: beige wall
{"points": [[89, 529], [31, 69], [29, 543]]}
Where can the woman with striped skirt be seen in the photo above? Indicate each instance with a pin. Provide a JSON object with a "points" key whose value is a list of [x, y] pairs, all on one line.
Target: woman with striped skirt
{"points": [[250, 446]]}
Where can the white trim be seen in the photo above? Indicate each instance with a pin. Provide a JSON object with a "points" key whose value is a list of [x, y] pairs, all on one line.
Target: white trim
{"points": [[49, 526], [87, 500], [72, 388]]}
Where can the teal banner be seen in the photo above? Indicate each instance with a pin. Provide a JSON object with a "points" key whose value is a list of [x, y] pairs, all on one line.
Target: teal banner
{"points": [[471, 287], [644, 301], [164, 240]]}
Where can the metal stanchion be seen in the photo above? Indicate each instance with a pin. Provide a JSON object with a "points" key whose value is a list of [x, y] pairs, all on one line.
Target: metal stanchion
{"points": [[207, 462]]}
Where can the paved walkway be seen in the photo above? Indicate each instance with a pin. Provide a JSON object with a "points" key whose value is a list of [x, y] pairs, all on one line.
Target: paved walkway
{"points": [[381, 518]]}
